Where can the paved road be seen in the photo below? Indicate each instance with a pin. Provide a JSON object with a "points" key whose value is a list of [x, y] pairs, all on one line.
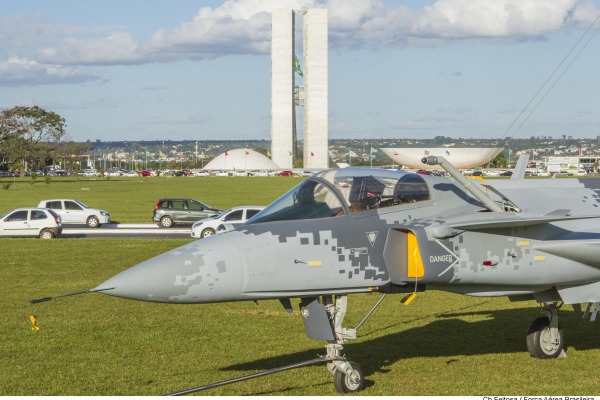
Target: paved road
{"points": [[126, 231]]}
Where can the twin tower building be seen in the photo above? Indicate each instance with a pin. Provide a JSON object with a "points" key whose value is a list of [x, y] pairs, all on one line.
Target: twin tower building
{"points": [[299, 79]]}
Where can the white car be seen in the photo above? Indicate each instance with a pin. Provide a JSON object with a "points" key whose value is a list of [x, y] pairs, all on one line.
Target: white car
{"points": [[236, 215], [88, 172], [36, 222], [259, 173], [75, 212], [129, 173]]}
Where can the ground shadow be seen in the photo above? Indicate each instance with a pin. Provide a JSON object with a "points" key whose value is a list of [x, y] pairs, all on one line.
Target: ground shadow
{"points": [[504, 331]]}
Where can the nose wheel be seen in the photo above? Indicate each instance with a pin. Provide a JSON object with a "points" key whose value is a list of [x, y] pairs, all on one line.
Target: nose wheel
{"points": [[350, 380], [545, 338], [348, 376]]}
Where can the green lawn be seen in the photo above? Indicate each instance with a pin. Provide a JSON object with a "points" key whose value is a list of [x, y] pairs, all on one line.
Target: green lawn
{"points": [[133, 199], [93, 344]]}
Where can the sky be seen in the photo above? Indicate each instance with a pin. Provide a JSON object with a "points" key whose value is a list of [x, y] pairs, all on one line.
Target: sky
{"points": [[200, 69]]}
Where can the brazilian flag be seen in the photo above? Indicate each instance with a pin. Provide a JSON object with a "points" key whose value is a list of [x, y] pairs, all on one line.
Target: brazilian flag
{"points": [[297, 66]]}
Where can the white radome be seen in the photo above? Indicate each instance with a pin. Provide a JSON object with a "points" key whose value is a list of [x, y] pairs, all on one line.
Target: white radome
{"points": [[241, 159]]}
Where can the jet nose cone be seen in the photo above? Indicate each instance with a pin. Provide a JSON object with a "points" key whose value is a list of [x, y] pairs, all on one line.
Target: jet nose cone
{"points": [[206, 270]]}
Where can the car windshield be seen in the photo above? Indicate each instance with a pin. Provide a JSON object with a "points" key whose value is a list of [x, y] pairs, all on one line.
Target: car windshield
{"points": [[222, 215], [81, 204]]}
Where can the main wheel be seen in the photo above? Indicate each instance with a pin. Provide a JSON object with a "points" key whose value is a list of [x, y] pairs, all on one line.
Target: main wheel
{"points": [[46, 235], [166, 222], [539, 341], [207, 232], [93, 222], [349, 384]]}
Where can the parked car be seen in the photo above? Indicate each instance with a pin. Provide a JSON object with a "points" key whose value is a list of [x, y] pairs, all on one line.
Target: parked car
{"points": [[286, 173], [75, 212], [168, 212], [236, 215], [259, 173], [36, 222], [147, 173], [88, 172]]}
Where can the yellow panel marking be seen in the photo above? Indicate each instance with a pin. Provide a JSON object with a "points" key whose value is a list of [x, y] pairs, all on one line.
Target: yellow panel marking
{"points": [[539, 258], [315, 263], [523, 243], [415, 264], [406, 300]]}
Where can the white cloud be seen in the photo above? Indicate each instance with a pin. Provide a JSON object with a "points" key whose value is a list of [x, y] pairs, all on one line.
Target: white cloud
{"points": [[117, 47], [22, 71], [243, 27], [236, 27], [496, 18]]}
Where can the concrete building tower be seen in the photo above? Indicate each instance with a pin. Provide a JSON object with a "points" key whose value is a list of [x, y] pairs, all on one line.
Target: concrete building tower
{"points": [[285, 95], [315, 90], [283, 132]]}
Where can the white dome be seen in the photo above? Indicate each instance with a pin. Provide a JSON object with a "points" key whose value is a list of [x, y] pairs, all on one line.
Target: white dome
{"points": [[241, 159], [461, 158]]}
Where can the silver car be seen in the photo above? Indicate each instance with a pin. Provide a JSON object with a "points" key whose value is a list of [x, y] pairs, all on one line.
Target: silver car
{"points": [[36, 222], [75, 212], [236, 215]]}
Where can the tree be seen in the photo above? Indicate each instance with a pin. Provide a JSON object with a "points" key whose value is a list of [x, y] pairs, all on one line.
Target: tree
{"points": [[26, 132]]}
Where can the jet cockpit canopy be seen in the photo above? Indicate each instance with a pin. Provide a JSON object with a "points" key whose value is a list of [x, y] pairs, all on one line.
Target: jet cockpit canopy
{"points": [[336, 192]]}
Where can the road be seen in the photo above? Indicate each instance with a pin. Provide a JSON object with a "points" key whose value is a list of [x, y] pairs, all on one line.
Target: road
{"points": [[126, 231]]}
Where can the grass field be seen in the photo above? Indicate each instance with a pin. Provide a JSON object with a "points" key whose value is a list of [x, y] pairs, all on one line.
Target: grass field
{"points": [[133, 199], [93, 344]]}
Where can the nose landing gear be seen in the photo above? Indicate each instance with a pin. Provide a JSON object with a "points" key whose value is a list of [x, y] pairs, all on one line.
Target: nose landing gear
{"points": [[545, 338]]}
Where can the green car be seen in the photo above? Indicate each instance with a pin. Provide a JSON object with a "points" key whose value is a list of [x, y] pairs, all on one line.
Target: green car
{"points": [[168, 212]]}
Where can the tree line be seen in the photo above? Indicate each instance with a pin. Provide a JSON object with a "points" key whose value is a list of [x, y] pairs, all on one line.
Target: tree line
{"points": [[32, 138]]}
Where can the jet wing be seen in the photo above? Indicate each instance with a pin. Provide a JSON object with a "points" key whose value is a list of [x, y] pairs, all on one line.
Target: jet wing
{"points": [[506, 220]]}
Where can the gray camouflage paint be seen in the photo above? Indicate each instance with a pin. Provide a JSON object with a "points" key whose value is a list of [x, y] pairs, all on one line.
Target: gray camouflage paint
{"points": [[362, 251]]}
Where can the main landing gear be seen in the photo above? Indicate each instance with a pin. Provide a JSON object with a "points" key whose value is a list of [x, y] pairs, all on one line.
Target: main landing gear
{"points": [[545, 338]]}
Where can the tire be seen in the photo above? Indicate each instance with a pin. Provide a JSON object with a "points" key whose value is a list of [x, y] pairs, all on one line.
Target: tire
{"points": [[343, 383], [166, 222], [93, 222], [538, 339], [46, 234], [207, 232]]}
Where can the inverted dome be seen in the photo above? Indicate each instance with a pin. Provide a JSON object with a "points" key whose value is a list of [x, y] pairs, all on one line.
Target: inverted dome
{"points": [[242, 159], [461, 158]]}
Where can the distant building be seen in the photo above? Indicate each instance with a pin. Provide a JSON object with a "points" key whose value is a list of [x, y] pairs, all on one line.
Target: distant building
{"points": [[241, 159], [460, 157], [311, 93]]}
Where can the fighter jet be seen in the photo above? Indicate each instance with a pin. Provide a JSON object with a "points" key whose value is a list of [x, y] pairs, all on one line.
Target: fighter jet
{"points": [[356, 230]]}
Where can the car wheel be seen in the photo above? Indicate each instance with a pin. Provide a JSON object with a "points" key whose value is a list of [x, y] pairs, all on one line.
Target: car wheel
{"points": [[166, 222], [46, 234], [207, 232], [93, 222]]}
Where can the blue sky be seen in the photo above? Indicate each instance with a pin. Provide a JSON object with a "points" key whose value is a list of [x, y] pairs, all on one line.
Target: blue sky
{"points": [[200, 70]]}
